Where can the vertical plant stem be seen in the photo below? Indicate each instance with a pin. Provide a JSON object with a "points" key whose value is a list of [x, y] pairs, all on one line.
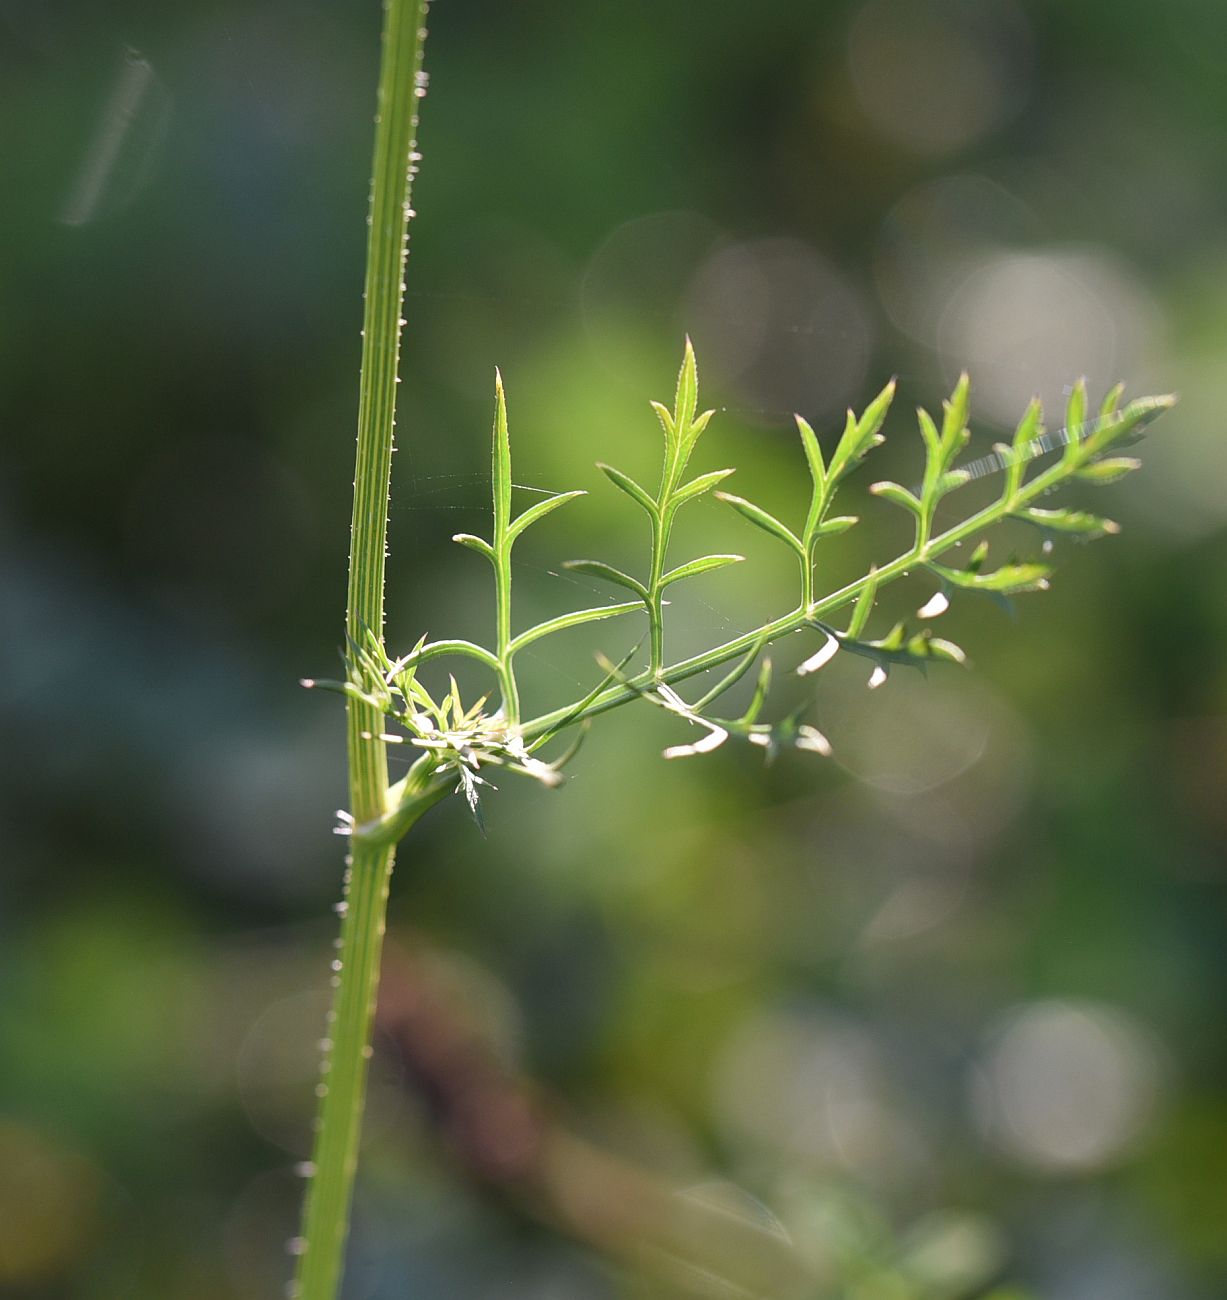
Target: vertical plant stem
{"points": [[342, 1085]]}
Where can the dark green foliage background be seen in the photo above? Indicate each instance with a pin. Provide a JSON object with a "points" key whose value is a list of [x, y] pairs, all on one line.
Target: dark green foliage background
{"points": [[177, 391]]}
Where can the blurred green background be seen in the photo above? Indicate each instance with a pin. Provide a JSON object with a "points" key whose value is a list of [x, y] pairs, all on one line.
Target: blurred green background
{"points": [[940, 1018]]}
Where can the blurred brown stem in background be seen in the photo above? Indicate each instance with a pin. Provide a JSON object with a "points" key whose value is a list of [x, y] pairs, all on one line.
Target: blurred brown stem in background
{"points": [[504, 1131]]}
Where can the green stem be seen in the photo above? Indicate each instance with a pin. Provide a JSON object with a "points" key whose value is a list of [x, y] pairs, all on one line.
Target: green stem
{"points": [[807, 578], [662, 525], [356, 971]]}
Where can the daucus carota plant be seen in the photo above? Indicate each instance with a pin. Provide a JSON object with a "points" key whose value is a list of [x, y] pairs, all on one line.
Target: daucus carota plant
{"points": [[459, 743]]}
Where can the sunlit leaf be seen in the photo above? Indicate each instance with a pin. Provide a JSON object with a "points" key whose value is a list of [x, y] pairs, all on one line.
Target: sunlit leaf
{"points": [[665, 417], [864, 606], [697, 486], [1111, 401], [702, 565], [1127, 425], [539, 511], [697, 425], [955, 433], [833, 527], [574, 619], [757, 700], [928, 432], [1077, 522], [628, 485], [687, 396], [599, 569], [731, 679], [767, 522], [1028, 430], [896, 495], [813, 452], [1075, 419], [501, 462], [819, 496], [926, 646], [1102, 472], [860, 436], [1009, 580]]}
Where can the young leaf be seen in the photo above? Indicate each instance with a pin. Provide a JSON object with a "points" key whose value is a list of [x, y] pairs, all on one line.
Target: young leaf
{"points": [[1111, 401], [1075, 420], [697, 425], [767, 522], [478, 544], [1028, 430], [433, 649], [819, 497], [924, 645], [955, 433], [687, 397], [599, 569], [1109, 470], [613, 673], [500, 476], [950, 480], [893, 641], [833, 527], [932, 439], [628, 485], [539, 511], [703, 565], [1009, 580], [860, 436], [863, 607], [813, 452], [574, 619], [730, 679], [697, 486], [1077, 522], [666, 422], [897, 495], [761, 687], [1127, 425]]}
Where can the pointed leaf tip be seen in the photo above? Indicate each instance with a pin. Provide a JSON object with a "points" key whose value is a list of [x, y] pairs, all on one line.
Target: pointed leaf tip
{"points": [[702, 565], [686, 399], [626, 484], [762, 519]]}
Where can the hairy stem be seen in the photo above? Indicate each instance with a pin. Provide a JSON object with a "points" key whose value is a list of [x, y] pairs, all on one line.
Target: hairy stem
{"points": [[356, 970]]}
